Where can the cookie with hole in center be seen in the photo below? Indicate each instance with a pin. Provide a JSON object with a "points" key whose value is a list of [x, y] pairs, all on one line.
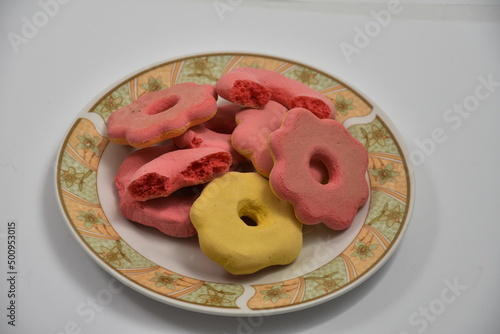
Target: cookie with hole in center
{"points": [[161, 115], [243, 226], [304, 139], [254, 87]]}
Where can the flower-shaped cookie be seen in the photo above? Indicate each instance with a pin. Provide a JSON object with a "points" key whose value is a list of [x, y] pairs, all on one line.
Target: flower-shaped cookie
{"points": [[216, 132], [243, 227], [178, 169], [163, 114], [254, 87], [170, 215], [250, 136], [302, 139]]}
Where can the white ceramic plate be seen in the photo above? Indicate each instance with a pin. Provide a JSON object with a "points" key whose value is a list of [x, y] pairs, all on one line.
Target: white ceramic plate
{"points": [[175, 271]]}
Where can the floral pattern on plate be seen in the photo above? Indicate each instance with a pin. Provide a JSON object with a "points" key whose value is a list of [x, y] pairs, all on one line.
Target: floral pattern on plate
{"points": [[387, 216]]}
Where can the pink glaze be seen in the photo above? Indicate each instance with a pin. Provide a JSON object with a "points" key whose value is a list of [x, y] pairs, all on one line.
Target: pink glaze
{"points": [[254, 87], [170, 215], [163, 114], [303, 138], [250, 136], [216, 132], [177, 169]]}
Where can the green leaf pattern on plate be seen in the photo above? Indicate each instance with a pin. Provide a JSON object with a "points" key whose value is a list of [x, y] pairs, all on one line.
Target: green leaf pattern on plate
{"points": [[78, 179], [375, 136], [314, 79], [203, 70], [118, 98], [214, 294], [386, 215], [326, 279]]}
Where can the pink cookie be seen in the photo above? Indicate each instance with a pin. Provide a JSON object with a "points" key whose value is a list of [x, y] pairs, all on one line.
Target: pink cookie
{"points": [[304, 138], [216, 132], [224, 120], [254, 87], [160, 115], [178, 169], [170, 215], [136, 160], [250, 136]]}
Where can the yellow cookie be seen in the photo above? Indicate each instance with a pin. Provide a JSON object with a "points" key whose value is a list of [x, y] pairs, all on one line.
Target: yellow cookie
{"points": [[243, 226]]}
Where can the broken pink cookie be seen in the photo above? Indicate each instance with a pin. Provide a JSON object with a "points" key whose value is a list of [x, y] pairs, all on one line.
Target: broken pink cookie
{"points": [[216, 132], [254, 87], [163, 114], [177, 169], [303, 139], [249, 138], [136, 160], [170, 215]]}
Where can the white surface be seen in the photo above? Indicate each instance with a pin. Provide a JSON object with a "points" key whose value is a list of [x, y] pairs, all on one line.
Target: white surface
{"points": [[423, 62]]}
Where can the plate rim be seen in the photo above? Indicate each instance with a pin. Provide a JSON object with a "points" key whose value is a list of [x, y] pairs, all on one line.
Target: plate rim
{"points": [[399, 142]]}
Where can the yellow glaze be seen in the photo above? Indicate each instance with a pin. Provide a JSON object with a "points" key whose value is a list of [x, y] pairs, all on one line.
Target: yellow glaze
{"points": [[235, 245]]}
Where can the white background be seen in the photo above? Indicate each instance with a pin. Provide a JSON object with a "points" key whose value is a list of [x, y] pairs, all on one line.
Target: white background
{"points": [[424, 61]]}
